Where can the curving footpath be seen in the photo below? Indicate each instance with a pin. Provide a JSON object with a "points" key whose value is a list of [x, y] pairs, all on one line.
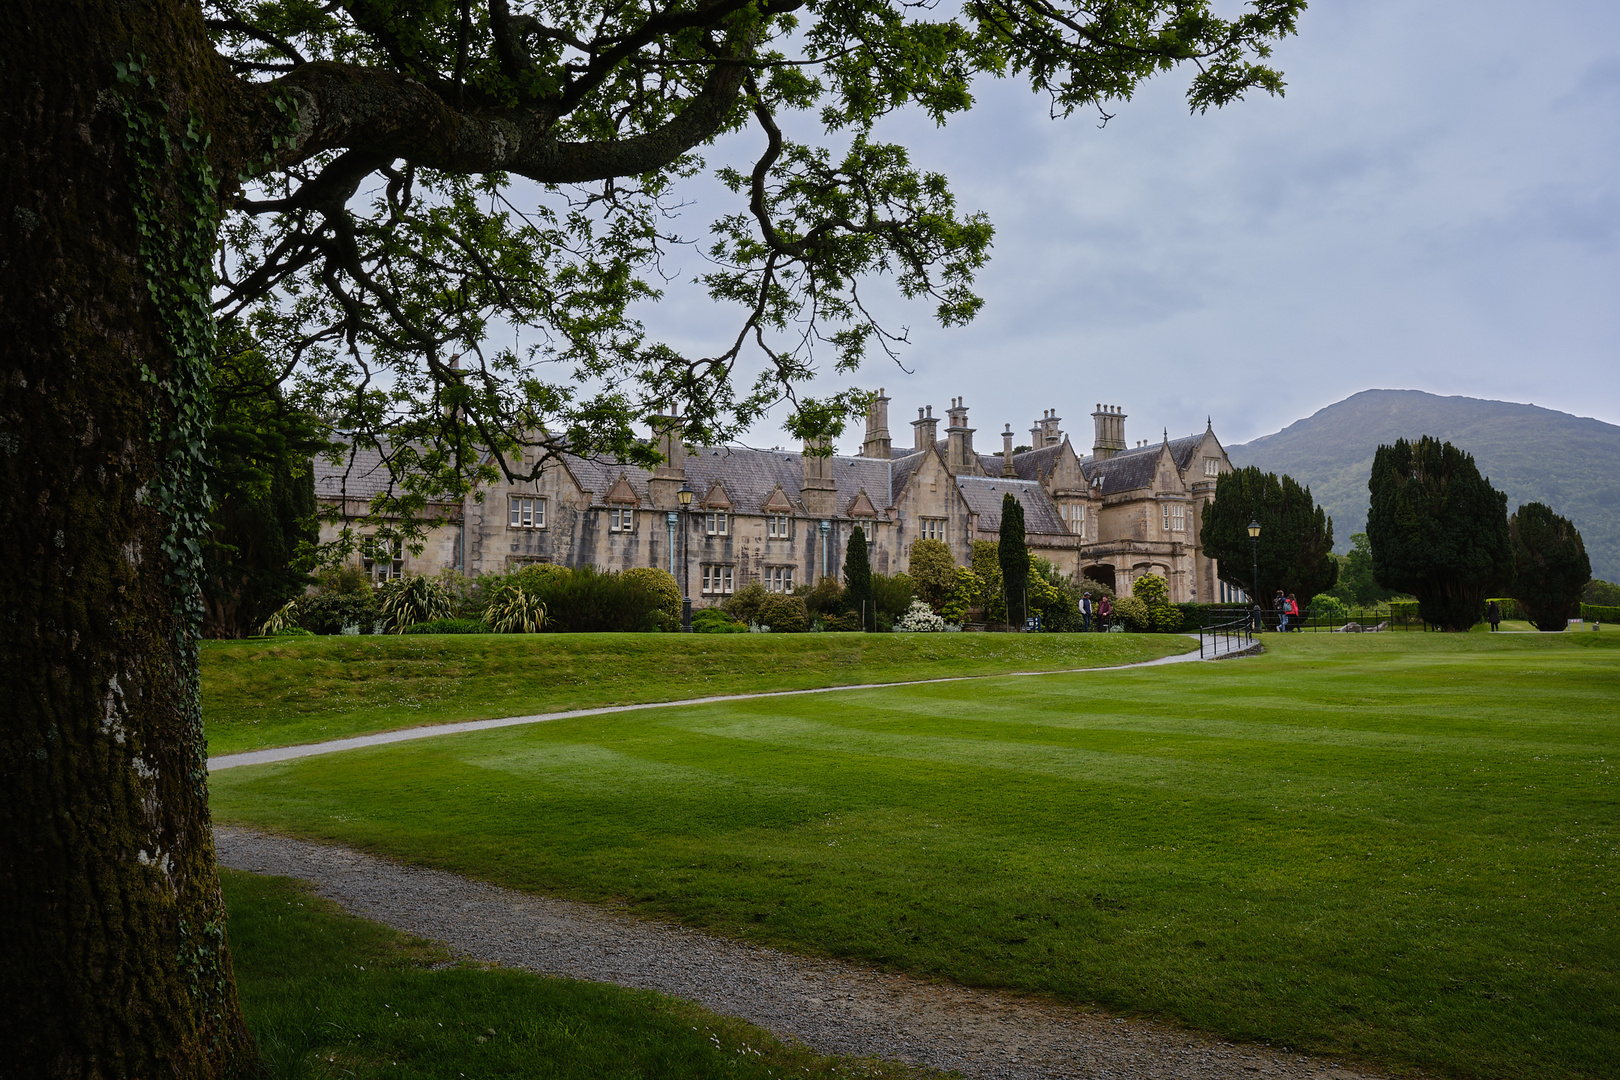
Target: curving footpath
{"points": [[433, 731], [830, 1006]]}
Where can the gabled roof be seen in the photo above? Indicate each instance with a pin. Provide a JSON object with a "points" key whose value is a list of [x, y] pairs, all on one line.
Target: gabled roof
{"points": [[716, 498], [1033, 464], [622, 493], [1134, 469], [984, 495]]}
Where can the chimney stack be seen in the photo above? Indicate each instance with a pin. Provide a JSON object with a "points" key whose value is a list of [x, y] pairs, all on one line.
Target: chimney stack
{"points": [[1007, 452], [959, 456], [818, 490], [670, 473], [1110, 428], [877, 443], [924, 429]]}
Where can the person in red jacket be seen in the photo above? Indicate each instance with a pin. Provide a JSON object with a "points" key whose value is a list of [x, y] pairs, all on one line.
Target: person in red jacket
{"points": [[1105, 611], [1293, 614]]}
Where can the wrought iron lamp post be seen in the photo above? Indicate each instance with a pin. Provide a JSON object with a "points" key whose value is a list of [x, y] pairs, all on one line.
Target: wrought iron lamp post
{"points": [[685, 497], [1254, 545]]}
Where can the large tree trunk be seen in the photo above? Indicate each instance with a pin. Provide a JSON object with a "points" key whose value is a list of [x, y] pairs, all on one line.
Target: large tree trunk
{"points": [[112, 942]]}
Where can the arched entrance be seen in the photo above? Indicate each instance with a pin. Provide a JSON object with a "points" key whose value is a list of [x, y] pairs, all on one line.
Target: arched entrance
{"points": [[1102, 574]]}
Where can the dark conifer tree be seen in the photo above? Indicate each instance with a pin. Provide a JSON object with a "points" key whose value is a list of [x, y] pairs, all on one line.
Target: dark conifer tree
{"points": [[1296, 536], [1013, 554], [1550, 566], [1438, 530], [858, 579]]}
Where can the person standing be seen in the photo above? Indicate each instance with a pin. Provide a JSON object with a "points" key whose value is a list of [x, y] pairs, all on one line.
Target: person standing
{"points": [[1280, 603], [1293, 614], [1085, 613], [1494, 614], [1105, 611]]}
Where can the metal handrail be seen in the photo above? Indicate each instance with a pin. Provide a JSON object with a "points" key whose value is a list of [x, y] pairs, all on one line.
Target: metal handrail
{"points": [[1240, 628]]}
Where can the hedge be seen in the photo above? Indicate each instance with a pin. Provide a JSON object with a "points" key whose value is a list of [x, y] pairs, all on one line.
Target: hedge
{"points": [[1600, 613]]}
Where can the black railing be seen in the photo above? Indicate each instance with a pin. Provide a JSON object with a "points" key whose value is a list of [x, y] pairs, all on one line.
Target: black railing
{"points": [[1360, 620], [1224, 636]]}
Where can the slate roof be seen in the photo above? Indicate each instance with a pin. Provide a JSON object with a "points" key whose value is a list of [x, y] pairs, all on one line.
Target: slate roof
{"points": [[985, 493], [1131, 470], [748, 476], [361, 474], [1027, 464]]}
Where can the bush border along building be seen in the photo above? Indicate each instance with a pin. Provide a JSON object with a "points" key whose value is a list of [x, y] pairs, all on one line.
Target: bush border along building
{"points": [[784, 519]]}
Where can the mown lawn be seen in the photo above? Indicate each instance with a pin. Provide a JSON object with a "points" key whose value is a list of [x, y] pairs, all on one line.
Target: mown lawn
{"points": [[1397, 848], [330, 995], [284, 691]]}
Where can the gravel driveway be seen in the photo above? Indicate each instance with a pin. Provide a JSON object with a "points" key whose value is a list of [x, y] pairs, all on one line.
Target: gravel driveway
{"points": [[833, 1007]]}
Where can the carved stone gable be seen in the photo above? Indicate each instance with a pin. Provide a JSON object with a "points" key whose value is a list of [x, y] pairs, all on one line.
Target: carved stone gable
{"points": [[861, 506], [621, 493], [716, 499], [778, 503]]}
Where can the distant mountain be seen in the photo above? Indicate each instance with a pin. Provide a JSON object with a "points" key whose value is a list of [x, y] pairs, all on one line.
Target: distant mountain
{"points": [[1532, 454]]}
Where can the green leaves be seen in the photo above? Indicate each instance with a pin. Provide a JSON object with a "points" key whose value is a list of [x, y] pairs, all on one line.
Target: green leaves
{"points": [[430, 304]]}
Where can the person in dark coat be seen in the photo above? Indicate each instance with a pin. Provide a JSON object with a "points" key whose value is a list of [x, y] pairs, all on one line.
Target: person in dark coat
{"points": [[1085, 612], [1494, 614]]}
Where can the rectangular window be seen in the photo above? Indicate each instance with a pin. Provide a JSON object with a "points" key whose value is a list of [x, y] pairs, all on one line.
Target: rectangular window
{"points": [[621, 519], [779, 526], [381, 560], [1178, 519], [1212, 466], [779, 579], [717, 580], [1166, 509], [933, 528], [717, 525], [525, 513]]}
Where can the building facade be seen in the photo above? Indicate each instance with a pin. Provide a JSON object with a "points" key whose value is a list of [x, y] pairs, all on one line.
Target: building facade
{"points": [[784, 519]]}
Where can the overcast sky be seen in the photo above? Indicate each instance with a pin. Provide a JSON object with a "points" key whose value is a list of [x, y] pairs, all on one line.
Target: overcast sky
{"points": [[1434, 205]]}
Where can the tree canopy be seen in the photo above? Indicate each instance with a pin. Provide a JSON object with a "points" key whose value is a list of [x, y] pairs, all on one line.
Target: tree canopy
{"points": [[1438, 530], [1550, 566], [1296, 536], [438, 218]]}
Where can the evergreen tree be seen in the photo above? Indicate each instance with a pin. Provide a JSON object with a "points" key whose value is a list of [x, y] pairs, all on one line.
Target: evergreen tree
{"points": [[1550, 566], [1438, 530], [263, 530], [858, 579], [1296, 536], [1012, 551]]}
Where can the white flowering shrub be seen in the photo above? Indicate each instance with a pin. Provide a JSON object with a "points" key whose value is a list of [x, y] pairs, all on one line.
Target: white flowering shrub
{"points": [[920, 619]]}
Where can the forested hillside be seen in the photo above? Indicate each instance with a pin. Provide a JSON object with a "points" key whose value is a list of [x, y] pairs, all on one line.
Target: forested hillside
{"points": [[1533, 454]]}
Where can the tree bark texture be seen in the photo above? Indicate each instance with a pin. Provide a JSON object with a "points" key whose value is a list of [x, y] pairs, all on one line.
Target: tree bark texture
{"points": [[113, 959]]}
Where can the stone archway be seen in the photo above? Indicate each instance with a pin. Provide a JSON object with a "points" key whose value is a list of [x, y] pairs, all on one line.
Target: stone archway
{"points": [[1102, 574]]}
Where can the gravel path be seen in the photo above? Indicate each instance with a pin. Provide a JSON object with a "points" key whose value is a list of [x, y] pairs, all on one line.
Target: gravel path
{"points": [[1217, 651], [833, 1007]]}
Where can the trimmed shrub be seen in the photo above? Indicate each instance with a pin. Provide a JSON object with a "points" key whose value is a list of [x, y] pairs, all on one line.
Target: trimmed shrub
{"points": [[1133, 614], [1403, 612], [1600, 613], [588, 600], [1151, 589], [1326, 606], [826, 598], [933, 571], [663, 583], [332, 612], [1510, 607], [893, 596], [784, 614], [715, 621], [1164, 619], [746, 603], [848, 622], [449, 626]]}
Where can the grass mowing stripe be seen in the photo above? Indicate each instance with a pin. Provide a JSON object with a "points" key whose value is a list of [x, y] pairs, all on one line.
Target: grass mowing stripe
{"points": [[327, 994], [1387, 849], [286, 691]]}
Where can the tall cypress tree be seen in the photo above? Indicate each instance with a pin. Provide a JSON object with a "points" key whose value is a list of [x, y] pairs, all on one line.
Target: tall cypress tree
{"points": [[1438, 530], [858, 578], [1013, 554], [1551, 567], [1296, 536]]}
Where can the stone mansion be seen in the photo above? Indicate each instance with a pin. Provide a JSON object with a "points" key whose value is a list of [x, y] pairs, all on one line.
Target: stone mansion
{"points": [[784, 519]]}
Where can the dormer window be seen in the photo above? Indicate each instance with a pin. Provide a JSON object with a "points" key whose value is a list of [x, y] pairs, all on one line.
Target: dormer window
{"points": [[779, 526], [717, 523], [621, 519]]}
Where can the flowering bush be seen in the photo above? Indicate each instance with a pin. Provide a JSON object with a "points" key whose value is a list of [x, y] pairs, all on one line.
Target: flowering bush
{"points": [[919, 620]]}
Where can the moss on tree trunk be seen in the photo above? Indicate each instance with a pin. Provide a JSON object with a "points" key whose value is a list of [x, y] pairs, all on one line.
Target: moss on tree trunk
{"points": [[113, 959]]}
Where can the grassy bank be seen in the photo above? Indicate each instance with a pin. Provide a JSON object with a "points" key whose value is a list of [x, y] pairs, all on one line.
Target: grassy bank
{"points": [[1399, 848], [330, 995], [285, 691]]}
